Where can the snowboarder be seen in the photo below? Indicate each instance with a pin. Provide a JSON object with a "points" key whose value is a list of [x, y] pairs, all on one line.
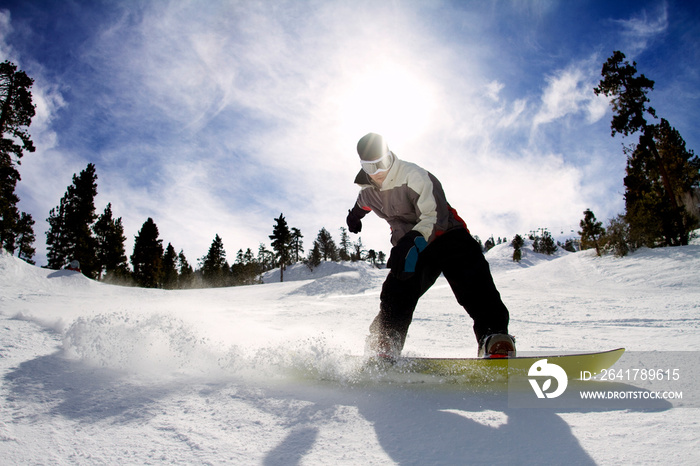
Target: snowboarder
{"points": [[428, 238]]}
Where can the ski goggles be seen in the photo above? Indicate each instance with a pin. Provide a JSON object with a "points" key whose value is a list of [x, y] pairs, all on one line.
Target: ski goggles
{"points": [[372, 167]]}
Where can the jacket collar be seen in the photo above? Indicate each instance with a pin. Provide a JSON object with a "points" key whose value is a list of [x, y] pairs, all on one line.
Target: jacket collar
{"points": [[363, 179]]}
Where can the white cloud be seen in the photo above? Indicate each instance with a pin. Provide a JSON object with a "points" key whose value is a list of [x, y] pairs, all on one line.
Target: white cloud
{"points": [[6, 51], [504, 194], [570, 91], [643, 28], [493, 90], [513, 116]]}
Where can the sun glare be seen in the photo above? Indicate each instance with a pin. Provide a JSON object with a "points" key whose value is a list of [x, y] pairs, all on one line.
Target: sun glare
{"points": [[389, 100]]}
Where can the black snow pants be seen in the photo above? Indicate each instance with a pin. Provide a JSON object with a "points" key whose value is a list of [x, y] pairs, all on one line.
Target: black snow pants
{"points": [[458, 256]]}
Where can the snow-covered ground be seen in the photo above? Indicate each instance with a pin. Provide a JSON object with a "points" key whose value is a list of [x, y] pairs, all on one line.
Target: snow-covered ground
{"points": [[98, 374]]}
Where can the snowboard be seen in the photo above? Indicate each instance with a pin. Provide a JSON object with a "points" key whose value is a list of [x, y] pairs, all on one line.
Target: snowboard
{"points": [[576, 366]]}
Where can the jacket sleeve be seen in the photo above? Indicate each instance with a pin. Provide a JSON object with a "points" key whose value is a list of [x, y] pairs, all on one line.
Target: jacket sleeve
{"points": [[363, 203], [359, 211], [426, 203]]}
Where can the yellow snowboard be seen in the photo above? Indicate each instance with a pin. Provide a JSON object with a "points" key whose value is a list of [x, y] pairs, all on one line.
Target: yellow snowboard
{"points": [[494, 369]]}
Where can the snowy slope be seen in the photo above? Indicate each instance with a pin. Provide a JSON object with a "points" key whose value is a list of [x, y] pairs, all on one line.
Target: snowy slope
{"points": [[97, 374]]}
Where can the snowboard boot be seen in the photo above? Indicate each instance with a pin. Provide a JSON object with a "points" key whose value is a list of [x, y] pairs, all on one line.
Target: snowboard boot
{"points": [[383, 347], [498, 345]]}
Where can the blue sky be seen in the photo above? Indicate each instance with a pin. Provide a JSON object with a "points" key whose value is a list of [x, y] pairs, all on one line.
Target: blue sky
{"points": [[213, 117]]}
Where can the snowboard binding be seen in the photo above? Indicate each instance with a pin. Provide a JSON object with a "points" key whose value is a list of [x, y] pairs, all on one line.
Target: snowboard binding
{"points": [[498, 345]]}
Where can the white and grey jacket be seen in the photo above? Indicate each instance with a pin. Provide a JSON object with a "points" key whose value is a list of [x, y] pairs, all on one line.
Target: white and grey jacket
{"points": [[410, 198]]}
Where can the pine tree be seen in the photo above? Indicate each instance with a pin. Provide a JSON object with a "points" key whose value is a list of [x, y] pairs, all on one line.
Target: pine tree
{"points": [[186, 273], [248, 257], [315, 256], [544, 244], [111, 254], [372, 257], [359, 251], [297, 244], [245, 269], [147, 259], [58, 247], [591, 231], [170, 274], [629, 102], [215, 269], [345, 245], [652, 220], [281, 243], [70, 236], [570, 245], [327, 247], [266, 258], [80, 218], [617, 236], [16, 113], [25, 238], [517, 244]]}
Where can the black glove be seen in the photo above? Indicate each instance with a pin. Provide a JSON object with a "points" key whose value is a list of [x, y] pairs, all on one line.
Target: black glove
{"points": [[403, 257], [354, 219]]}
